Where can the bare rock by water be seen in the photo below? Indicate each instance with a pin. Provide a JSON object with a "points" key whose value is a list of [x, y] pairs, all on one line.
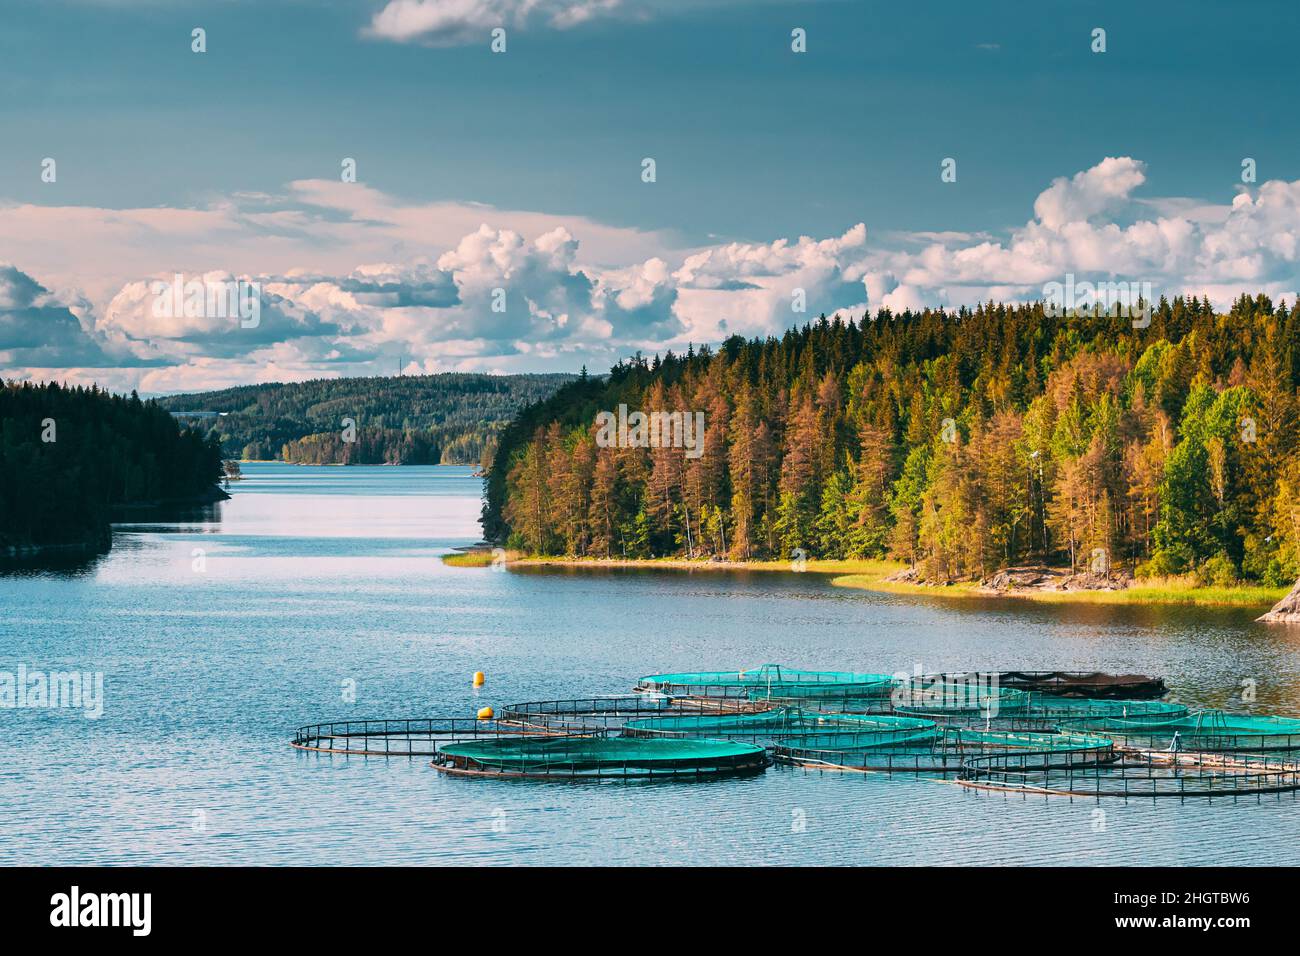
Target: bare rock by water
{"points": [[1286, 611], [1054, 579]]}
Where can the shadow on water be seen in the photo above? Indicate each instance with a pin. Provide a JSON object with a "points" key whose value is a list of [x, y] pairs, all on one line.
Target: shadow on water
{"points": [[166, 516], [73, 561], [1012, 609], [70, 564]]}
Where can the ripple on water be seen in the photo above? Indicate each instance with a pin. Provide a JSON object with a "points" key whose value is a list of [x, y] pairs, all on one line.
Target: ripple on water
{"points": [[319, 577]]}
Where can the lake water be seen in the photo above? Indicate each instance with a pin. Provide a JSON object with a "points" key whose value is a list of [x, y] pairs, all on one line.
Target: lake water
{"points": [[218, 637]]}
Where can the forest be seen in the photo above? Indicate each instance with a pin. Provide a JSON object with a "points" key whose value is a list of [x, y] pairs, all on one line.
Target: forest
{"points": [[451, 418], [960, 442], [68, 456]]}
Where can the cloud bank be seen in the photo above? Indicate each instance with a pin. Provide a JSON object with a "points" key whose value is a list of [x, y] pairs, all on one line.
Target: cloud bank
{"points": [[354, 281]]}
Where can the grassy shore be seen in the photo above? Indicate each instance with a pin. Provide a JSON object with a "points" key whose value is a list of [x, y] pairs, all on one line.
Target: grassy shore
{"points": [[468, 559], [870, 575], [1155, 591]]}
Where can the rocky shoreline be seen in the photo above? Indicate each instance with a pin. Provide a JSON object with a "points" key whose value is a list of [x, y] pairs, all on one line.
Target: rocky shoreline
{"points": [[1286, 611], [1028, 579]]}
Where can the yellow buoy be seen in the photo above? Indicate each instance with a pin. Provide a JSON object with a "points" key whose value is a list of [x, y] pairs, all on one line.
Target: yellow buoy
{"points": [[479, 678], [485, 713]]}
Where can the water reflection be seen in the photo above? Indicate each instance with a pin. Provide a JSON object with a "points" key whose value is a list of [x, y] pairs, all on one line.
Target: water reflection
{"points": [[317, 579]]}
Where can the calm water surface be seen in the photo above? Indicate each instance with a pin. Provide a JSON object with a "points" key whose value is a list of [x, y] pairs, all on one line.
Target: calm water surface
{"points": [[219, 636]]}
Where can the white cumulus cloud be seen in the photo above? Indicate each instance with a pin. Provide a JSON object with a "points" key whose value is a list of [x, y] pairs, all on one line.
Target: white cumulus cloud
{"points": [[355, 281], [455, 22]]}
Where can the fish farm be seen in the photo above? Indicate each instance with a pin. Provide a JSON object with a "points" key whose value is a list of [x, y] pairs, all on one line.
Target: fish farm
{"points": [[1077, 735]]}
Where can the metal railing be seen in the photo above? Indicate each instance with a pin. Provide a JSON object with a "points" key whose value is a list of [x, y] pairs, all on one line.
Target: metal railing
{"points": [[404, 737], [1141, 775]]}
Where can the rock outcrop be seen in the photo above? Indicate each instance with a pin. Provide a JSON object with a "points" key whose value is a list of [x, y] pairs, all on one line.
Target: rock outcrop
{"points": [[905, 576], [1286, 611], [1053, 579]]}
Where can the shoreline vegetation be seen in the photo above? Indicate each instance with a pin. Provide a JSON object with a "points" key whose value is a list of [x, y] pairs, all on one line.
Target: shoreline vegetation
{"points": [[75, 460], [874, 575], [987, 449]]}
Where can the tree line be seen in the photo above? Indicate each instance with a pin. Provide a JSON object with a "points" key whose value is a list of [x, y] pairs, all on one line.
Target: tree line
{"points": [[450, 418], [958, 441], [68, 456]]}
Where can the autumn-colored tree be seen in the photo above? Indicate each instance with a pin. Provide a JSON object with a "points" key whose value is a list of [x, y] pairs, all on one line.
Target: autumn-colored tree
{"points": [[955, 441]]}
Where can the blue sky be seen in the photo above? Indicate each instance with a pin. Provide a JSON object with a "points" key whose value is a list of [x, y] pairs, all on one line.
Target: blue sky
{"points": [[240, 147]]}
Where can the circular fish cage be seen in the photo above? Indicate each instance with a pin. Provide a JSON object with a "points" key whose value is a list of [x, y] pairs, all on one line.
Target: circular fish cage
{"points": [[1211, 731], [610, 713], [1139, 774], [584, 758], [772, 726], [767, 681], [944, 751], [415, 737]]}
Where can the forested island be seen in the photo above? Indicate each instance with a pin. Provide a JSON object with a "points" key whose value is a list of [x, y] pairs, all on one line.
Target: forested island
{"points": [[70, 456], [451, 418], [959, 442]]}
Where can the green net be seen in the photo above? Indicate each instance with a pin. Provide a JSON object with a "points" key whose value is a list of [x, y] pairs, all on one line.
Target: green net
{"points": [[959, 699], [955, 738], [871, 694], [780, 722], [944, 750], [600, 756], [768, 678], [1208, 730], [611, 713], [776, 721], [1139, 775], [1038, 712], [1079, 711]]}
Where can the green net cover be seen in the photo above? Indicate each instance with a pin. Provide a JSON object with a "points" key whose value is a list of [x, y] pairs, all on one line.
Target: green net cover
{"points": [[951, 738], [1207, 730], [1026, 740], [760, 678], [876, 688], [959, 698], [1139, 774], [721, 725], [778, 722], [1081, 710], [856, 733], [945, 751], [558, 755]]}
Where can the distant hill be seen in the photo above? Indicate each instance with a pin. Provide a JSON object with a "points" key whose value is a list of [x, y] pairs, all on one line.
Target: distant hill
{"points": [[452, 418]]}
